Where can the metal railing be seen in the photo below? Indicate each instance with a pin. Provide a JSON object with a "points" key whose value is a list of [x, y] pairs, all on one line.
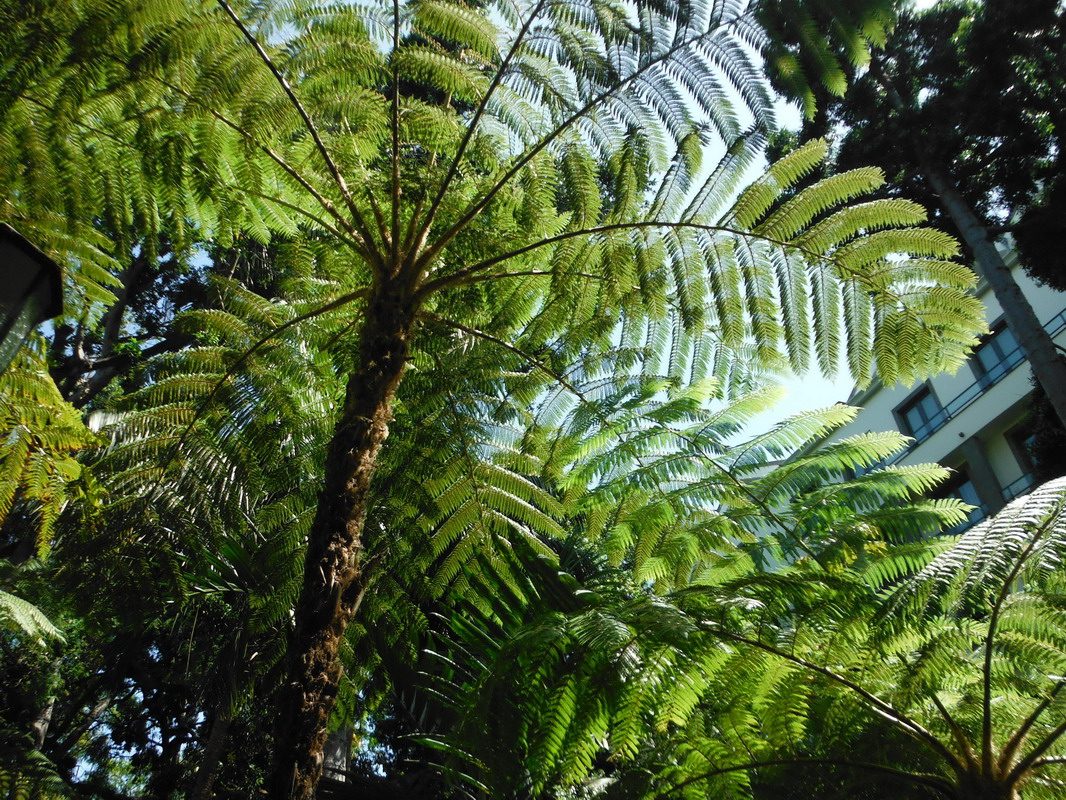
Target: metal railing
{"points": [[977, 514], [1018, 487], [964, 399]]}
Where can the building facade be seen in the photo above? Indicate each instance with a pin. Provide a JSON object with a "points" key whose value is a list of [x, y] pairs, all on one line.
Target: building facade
{"points": [[971, 421]]}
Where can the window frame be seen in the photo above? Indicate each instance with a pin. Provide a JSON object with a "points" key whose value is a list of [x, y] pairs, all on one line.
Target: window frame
{"points": [[1016, 440], [984, 376], [913, 401]]}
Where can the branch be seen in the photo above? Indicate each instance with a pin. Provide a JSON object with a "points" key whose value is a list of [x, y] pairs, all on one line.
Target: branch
{"points": [[1030, 760], [243, 358], [476, 119], [1048, 762], [736, 482], [744, 489], [311, 128], [507, 346], [446, 281], [931, 781], [883, 708], [1018, 738], [104, 369], [363, 248], [427, 258], [993, 621], [341, 235], [956, 731], [528, 273]]}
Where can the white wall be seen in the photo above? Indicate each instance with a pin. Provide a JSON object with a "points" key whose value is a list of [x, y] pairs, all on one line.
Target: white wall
{"points": [[998, 409]]}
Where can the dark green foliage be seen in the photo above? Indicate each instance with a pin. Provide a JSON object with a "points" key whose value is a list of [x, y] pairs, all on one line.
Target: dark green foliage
{"points": [[988, 107], [1040, 229], [1045, 436]]}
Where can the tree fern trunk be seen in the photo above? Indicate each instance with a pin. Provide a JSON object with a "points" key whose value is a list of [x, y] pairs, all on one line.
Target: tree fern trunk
{"points": [[333, 580], [979, 787]]}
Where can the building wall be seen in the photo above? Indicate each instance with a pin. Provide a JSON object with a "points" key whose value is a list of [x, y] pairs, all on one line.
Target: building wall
{"points": [[974, 435]]}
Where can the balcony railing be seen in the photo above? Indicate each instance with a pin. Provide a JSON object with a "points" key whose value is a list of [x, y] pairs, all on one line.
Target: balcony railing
{"points": [[1022, 485], [977, 514], [964, 399], [1019, 487]]}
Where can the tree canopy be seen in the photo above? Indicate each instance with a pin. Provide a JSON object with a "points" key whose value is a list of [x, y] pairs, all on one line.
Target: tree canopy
{"points": [[961, 106]]}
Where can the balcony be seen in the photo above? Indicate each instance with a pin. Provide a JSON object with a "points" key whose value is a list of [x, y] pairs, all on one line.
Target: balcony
{"points": [[994, 373], [1023, 485]]}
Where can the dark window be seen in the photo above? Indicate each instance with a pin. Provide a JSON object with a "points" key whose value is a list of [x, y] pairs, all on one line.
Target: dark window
{"points": [[1021, 440], [921, 415], [962, 488], [997, 355]]}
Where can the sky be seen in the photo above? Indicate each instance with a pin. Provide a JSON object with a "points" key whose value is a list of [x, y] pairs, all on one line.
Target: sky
{"points": [[805, 393]]}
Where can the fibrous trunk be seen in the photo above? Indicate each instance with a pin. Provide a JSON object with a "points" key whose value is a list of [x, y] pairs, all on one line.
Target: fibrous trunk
{"points": [[333, 581], [212, 755], [981, 787]]}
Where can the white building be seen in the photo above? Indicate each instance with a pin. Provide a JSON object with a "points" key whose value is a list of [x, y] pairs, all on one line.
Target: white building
{"points": [[970, 421]]}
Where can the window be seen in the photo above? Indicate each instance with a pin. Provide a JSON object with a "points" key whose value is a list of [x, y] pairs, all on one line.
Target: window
{"points": [[997, 355], [1021, 440], [962, 488], [921, 415]]}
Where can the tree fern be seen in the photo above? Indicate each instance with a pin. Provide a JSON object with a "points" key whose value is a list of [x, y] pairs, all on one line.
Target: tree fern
{"points": [[957, 661], [650, 664], [466, 175]]}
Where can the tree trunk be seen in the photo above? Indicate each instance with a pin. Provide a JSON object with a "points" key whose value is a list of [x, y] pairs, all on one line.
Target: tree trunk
{"points": [[40, 723], [334, 581], [1037, 344], [980, 787], [208, 768]]}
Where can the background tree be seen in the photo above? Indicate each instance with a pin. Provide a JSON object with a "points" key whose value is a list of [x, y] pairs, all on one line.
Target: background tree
{"points": [[962, 109]]}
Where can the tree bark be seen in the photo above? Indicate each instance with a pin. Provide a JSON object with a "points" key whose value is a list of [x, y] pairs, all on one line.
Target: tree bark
{"points": [[212, 756], [334, 579], [977, 786], [39, 726]]}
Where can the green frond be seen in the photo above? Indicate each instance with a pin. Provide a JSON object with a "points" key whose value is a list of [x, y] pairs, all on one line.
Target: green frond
{"points": [[42, 435], [28, 619]]}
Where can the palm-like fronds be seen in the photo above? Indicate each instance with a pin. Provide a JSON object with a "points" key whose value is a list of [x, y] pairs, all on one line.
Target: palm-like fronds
{"points": [[457, 189], [958, 661], [578, 674], [42, 434]]}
